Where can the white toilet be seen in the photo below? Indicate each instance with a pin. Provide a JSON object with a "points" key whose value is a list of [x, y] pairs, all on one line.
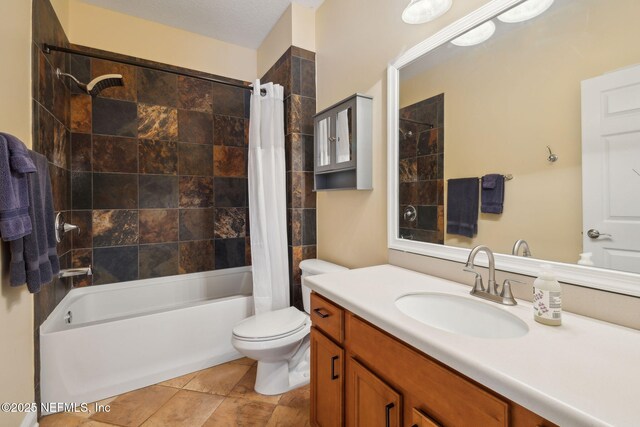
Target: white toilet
{"points": [[279, 340]]}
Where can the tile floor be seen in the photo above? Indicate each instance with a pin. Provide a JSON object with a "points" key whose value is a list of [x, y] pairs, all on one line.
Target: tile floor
{"points": [[221, 396]]}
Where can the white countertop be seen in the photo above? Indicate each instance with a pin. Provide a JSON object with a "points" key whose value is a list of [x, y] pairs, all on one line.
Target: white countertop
{"points": [[583, 373]]}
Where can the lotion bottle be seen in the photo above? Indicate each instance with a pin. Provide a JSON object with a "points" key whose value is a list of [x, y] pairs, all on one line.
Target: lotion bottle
{"points": [[547, 298]]}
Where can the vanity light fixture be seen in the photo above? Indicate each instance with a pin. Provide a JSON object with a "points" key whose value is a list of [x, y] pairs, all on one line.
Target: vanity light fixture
{"points": [[478, 35], [525, 11], [421, 11]]}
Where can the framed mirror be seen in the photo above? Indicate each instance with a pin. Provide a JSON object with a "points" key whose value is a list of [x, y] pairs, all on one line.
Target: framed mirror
{"points": [[539, 100]]}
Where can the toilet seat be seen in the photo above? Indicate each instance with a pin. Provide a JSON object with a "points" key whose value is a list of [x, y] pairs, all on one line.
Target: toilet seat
{"points": [[272, 325]]}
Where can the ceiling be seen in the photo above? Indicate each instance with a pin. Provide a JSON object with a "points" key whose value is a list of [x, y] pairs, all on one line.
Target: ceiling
{"points": [[242, 22]]}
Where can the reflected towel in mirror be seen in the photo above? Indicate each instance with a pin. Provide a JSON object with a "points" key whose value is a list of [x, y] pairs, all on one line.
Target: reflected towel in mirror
{"points": [[462, 206], [492, 194]]}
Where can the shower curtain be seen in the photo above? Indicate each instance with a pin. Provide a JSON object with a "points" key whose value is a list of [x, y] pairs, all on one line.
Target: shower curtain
{"points": [[267, 199]]}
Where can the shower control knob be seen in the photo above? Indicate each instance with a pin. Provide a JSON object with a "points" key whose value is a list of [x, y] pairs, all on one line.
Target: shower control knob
{"points": [[410, 214], [594, 234]]}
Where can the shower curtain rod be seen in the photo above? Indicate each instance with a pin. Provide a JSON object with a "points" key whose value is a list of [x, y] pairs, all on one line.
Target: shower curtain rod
{"points": [[47, 48]]}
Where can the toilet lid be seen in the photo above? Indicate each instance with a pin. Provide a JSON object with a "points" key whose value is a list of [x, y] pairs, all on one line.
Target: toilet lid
{"points": [[271, 324]]}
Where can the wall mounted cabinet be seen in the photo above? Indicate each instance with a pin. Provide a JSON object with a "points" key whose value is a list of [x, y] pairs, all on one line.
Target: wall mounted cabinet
{"points": [[342, 149]]}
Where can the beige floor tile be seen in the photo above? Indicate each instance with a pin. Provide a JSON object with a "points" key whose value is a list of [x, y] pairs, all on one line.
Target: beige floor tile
{"points": [[300, 398], [284, 416], [219, 380], [245, 389], [133, 408], [91, 423], [244, 361], [62, 419], [93, 406], [235, 412], [179, 382], [185, 409], [65, 419]]}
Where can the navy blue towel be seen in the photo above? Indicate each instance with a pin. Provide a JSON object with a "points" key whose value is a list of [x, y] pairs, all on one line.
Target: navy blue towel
{"points": [[462, 206], [15, 166], [492, 194], [34, 259]]}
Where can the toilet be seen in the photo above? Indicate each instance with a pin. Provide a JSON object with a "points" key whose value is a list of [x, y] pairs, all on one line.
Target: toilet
{"points": [[279, 340]]}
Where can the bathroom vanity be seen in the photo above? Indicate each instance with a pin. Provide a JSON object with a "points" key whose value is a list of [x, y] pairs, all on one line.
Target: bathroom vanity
{"points": [[373, 365]]}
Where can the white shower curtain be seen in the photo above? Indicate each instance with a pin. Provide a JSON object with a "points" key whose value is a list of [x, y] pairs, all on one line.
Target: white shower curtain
{"points": [[267, 199]]}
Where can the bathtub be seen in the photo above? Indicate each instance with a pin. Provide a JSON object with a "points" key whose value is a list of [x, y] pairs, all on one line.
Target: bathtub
{"points": [[106, 340]]}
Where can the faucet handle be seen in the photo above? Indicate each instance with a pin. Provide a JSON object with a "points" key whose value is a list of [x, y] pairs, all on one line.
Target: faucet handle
{"points": [[506, 295], [477, 285]]}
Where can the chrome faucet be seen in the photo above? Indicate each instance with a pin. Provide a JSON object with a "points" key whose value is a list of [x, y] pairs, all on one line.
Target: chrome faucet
{"points": [[490, 293], [71, 272], [526, 252]]}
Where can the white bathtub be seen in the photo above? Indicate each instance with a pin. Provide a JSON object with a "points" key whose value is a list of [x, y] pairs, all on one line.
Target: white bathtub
{"points": [[133, 334]]}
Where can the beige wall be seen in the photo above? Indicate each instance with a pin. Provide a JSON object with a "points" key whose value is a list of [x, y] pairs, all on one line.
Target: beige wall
{"points": [[61, 7], [16, 304], [276, 43], [101, 28], [355, 41], [303, 27], [505, 104], [296, 27]]}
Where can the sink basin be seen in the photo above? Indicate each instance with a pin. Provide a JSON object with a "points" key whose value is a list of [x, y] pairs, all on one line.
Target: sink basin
{"points": [[461, 315]]}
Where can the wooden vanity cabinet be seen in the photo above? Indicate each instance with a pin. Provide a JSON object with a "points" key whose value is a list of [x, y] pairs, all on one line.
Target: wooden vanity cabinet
{"points": [[389, 383], [371, 402], [327, 381]]}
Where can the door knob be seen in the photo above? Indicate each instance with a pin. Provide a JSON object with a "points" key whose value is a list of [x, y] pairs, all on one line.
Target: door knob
{"points": [[594, 234]]}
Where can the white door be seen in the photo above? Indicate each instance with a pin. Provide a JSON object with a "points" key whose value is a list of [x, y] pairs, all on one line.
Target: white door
{"points": [[611, 169]]}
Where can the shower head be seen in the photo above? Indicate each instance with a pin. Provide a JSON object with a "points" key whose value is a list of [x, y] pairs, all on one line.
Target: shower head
{"points": [[97, 85]]}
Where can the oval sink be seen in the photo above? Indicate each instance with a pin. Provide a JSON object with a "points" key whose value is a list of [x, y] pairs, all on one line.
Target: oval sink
{"points": [[461, 315]]}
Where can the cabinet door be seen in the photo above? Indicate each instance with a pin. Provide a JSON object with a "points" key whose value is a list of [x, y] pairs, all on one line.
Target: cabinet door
{"points": [[345, 136], [324, 137], [369, 401], [327, 381]]}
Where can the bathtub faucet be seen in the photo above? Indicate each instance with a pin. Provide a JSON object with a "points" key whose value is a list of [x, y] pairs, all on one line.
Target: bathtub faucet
{"points": [[70, 272]]}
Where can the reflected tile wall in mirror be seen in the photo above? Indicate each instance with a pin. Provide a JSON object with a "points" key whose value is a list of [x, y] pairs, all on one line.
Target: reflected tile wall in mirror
{"points": [[421, 170]]}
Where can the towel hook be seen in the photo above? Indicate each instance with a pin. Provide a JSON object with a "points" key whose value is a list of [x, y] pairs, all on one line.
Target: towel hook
{"points": [[552, 157]]}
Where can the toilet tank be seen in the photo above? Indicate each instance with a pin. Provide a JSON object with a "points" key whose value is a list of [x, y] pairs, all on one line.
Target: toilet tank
{"points": [[311, 267]]}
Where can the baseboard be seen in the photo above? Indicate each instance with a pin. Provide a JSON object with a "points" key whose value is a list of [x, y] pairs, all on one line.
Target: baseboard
{"points": [[30, 420]]}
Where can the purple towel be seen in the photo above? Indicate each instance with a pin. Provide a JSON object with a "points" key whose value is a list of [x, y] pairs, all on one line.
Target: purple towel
{"points": [[34, 259], [492, 194], [15, 166], [462, 206]]}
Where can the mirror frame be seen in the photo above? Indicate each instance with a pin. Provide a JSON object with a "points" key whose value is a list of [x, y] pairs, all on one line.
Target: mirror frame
{"points": [[591, 277]]}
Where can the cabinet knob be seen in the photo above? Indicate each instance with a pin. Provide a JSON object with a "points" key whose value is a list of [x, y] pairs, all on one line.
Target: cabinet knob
{"points": [[332, 139]]}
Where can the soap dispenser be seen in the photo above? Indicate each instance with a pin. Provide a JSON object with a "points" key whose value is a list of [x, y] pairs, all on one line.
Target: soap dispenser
{"points": [[547, 298]]}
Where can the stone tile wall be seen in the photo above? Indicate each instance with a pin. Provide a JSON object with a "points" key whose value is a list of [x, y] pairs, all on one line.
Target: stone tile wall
{"points": [[295, 71], [422, 169], [159, 174], [51, 137]]}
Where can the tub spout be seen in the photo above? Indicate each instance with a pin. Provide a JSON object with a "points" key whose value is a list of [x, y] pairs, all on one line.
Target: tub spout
{"points": [[70, 272]]}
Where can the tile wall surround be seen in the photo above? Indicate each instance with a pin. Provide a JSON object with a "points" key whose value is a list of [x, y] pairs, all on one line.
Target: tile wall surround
{"points": [[421, 169], [158, 174], [51, 137], [295, 71]]}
